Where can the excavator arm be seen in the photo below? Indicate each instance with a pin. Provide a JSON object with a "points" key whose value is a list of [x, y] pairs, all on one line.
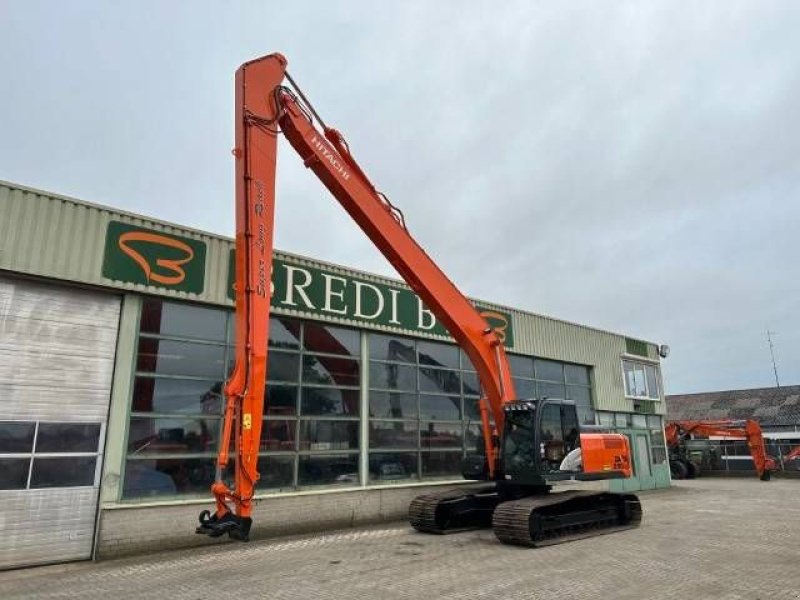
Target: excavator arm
{"points": [[265, 107]]}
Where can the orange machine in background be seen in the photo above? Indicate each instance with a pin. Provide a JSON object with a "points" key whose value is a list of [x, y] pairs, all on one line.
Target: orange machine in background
{"points": [[677, 432]]}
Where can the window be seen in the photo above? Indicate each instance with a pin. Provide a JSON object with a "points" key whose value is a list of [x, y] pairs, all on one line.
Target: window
{"points": [[310, 433], [422, 397], [540, 378], [641, 380], [657, 449], [424, 404], [44, 454]]}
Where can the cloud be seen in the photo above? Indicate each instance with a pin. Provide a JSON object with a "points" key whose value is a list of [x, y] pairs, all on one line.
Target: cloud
{"points": [[629, 166]]}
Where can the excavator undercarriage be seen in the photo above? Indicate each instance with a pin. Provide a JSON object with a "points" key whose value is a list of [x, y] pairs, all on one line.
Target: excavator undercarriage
{"points": [[542, 519]]}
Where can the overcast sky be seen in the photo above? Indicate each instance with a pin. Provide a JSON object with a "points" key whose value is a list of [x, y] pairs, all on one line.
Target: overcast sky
{"points": [[631, 166]]}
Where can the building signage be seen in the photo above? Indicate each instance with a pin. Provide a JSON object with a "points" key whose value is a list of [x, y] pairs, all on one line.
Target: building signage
{"points": [[138, 255], [318, 292]]}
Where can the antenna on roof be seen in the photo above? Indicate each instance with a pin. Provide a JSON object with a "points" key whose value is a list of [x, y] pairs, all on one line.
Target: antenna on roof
{"points": [[772, 353]]}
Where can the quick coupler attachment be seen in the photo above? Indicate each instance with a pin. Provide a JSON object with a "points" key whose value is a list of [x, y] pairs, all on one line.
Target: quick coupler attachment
{"points": [[237, 528]]}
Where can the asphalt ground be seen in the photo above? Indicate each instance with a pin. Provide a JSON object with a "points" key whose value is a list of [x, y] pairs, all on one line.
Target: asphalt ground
{"points": [[708, 538]]}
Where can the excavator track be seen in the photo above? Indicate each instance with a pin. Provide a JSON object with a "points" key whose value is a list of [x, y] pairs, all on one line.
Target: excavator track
{"points": [[550, 519], [451, 511]]}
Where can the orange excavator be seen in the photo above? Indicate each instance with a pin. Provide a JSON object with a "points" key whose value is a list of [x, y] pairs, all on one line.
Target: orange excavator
{"points": [[527, 443], [677, 432]]}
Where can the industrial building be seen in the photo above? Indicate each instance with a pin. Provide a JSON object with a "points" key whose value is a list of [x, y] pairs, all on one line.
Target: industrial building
{"points": [[115, 341]]}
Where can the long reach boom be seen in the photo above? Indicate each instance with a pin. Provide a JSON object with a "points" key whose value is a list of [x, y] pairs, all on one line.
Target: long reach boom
{"points": [[543, 433]]}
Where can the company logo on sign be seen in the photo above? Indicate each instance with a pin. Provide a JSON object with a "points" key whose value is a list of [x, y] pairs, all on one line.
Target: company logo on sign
{"points": [[154, 258], [323, 293], [498, 321]]}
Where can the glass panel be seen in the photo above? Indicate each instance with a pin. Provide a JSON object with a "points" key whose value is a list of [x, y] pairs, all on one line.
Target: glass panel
{"points": [[392, 377], [183, 320], [654, 422], [160, 395], [330, 370], [278, 435], [549, 370], [68, 437], [437, 354], [585, 415], [652, 381], [440, 435], [466, 363], [397, 349], [634, 379], [472, 409], [551, 423], [14, 473], [521, 366], [657, 437], [16, 437], [393, 434], [391, 405], [329, 435], [331, 340], [394, 466], [284, 333], [582, 396], [577, 374], [659, 455], [168, 477], [280, 400], [283, 366], [329, 401], [63, 472], [441, 408], [525, 388], [341, 469], [622, 419], [470, 383], [172, 436], [569, 425], [180, 358], [441, 464], [439, 380], [606, 419], [630, 379], [276, 471], [550, 390], [639, 421], [473, 439]]}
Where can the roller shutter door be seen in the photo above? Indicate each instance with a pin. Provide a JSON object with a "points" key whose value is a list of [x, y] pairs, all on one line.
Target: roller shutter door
{"points": [[57, 348]]}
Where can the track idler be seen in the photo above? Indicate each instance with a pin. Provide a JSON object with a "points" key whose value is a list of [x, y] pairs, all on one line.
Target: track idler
{"points": [[237, 528], [450, 511]]}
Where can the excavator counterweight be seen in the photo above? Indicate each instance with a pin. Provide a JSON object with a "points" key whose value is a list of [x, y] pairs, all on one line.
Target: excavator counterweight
{"points": [[526, 443]]}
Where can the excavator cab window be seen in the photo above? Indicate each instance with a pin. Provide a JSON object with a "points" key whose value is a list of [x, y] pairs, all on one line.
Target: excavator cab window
{"points": [[519, 444], [559, 435]]}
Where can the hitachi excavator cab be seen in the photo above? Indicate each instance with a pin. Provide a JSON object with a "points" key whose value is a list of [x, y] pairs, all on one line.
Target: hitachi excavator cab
{"points": [[539, 435]]}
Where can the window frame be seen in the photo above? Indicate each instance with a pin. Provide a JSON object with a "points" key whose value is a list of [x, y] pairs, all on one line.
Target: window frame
{"points": [[295, 421], [643, 363], [32, 455]]}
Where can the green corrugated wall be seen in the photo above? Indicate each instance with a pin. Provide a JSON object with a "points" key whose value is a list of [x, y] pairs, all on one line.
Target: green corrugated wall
{"points": [[58, 237]]}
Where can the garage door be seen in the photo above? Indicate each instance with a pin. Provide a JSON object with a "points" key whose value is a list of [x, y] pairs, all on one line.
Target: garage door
{"points": [[56, 363]]}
